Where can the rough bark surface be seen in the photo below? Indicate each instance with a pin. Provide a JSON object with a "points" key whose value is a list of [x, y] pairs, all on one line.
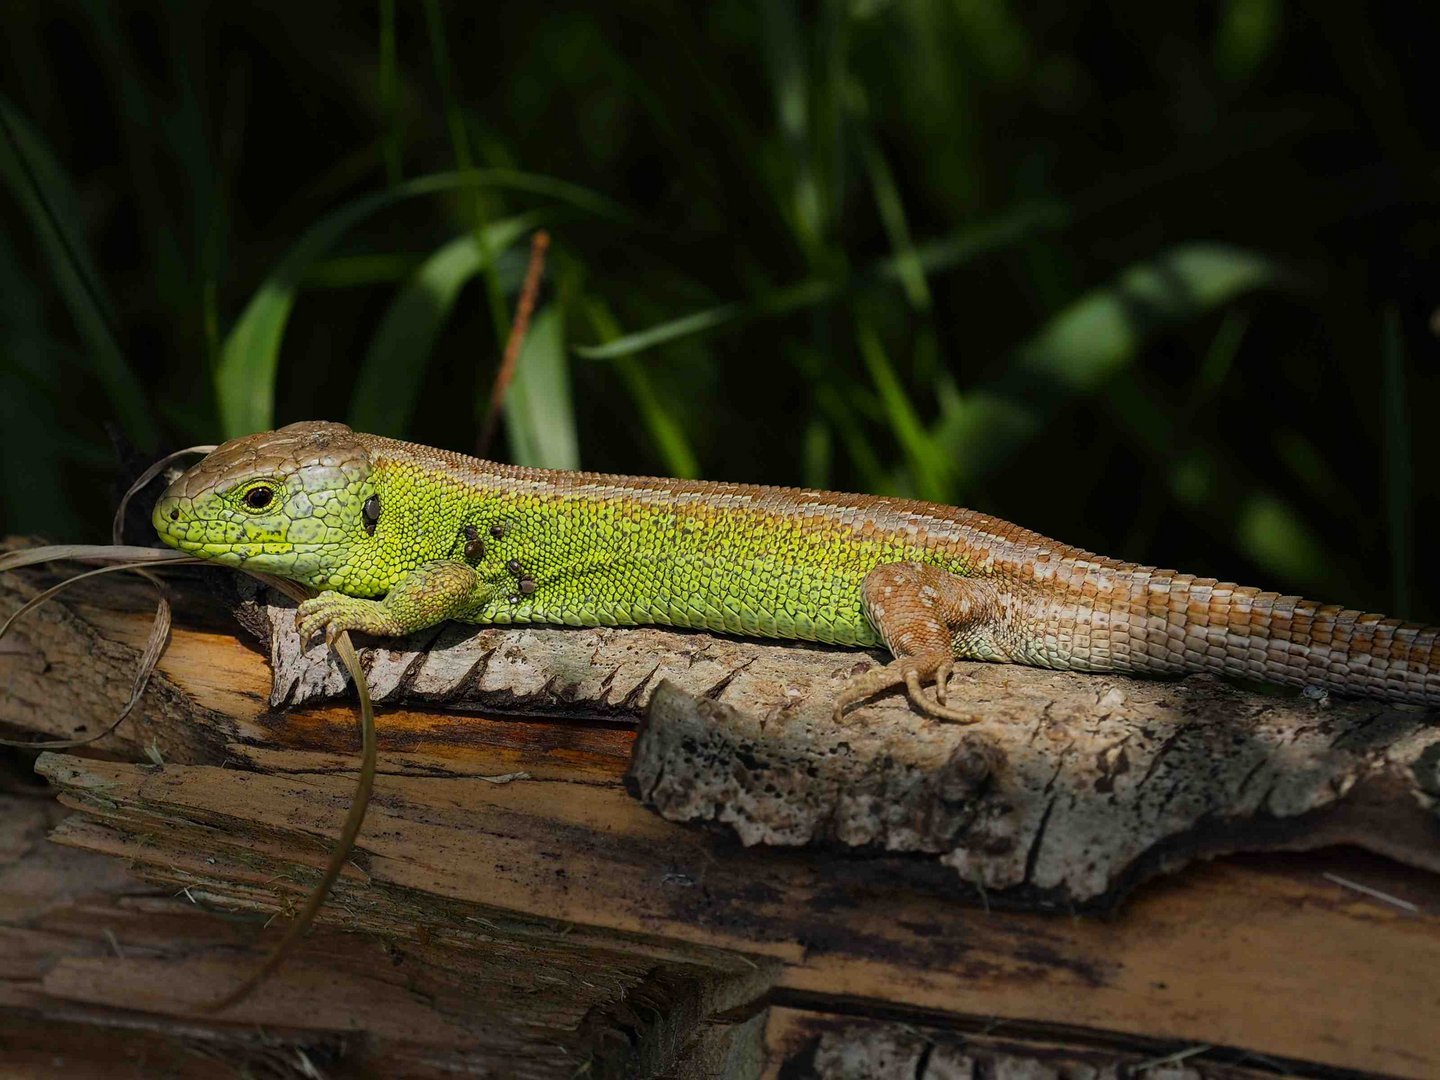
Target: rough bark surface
{"points": [[815, 1046], [512, 910], [1067, 790]]}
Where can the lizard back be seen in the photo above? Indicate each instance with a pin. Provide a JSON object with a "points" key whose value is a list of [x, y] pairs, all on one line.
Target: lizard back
{"points": [[737, 558], [789, 563]]}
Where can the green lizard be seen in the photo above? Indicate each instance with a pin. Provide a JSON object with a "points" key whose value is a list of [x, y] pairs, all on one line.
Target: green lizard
{"points": [[399, 537]]}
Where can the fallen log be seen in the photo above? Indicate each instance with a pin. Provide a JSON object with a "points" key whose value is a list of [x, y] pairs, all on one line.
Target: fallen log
{"points": [[1067, 790], [512, 907]]}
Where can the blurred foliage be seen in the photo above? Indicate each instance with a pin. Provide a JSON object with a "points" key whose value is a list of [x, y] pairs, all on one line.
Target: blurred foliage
{"points": [[1148, 278]]}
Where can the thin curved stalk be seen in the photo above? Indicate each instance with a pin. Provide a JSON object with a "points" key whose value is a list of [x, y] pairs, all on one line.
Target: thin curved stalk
{"points": [[154, 646], [118, 524], [359, 803]]}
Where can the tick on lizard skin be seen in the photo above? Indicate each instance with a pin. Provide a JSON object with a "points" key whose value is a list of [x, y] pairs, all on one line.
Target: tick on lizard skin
{"points": [[474, 546], [932, 584]]}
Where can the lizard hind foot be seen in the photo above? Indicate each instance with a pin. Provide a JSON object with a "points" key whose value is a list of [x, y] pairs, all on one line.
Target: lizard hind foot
{"points": [[909, 672], [934, 705]]}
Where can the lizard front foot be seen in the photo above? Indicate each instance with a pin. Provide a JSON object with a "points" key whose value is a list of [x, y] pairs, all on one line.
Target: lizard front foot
{"points": [[335, 613], [430, 593]]}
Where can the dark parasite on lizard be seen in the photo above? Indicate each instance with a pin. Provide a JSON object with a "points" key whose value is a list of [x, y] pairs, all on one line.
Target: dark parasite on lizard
{"points": [[398, 537]]}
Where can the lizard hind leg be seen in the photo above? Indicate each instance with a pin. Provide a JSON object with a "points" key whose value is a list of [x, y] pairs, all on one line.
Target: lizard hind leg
{"points": [[919, 611]]}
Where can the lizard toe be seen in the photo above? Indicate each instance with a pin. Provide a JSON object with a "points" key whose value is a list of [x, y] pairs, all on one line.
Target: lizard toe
{"points": [[332, 613], [865, 685], [942, 680], [930, 706], [319, 605], [313, 624], [851, 694]]}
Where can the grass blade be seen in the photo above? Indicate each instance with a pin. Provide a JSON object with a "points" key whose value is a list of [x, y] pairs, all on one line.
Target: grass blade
{"points": [[49, 202], [250, 356], [971, 242], [460, 147], [1101, 333], [785, 38], [360, 269], [1246, 36], [928, 467], [892, 215], [843, 424], [1169, 437], [1272, 533], [803, 294], [1089, 343], [539, 410], [1222, 495], [666, 432], [388, 383]]}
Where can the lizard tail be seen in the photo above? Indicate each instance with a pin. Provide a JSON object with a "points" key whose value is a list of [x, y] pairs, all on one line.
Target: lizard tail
{"points": [[1196, 624]]}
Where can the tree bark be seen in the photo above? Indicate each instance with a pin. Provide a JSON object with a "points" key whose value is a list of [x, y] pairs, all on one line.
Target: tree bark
{"points": [[1066, 791]]}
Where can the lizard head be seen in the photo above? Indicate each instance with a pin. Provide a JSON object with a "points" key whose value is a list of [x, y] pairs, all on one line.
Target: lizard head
{"points": [[297, 502]]}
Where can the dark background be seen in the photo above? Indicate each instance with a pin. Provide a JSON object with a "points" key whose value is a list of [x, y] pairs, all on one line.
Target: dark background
{"points": [[1154, 279]]}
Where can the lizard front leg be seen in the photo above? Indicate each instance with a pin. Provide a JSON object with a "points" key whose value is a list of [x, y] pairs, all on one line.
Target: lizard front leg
{"points": [[920, 612], [429, 594]]}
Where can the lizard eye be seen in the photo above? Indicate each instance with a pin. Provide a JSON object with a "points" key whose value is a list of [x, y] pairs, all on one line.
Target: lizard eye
{"points": [[371, 513], [259, 497]]}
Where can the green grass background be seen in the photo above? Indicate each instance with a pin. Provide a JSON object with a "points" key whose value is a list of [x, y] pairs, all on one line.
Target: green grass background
{"points": [[1153, 279]]}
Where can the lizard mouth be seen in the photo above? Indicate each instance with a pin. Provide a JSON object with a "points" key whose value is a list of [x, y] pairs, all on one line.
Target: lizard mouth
{"points": [[184, 533], [217, 540], [229, 542]]}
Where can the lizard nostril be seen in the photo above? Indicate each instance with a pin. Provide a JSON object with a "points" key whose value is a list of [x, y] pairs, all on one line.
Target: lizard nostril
{"points": [[175, 514]]}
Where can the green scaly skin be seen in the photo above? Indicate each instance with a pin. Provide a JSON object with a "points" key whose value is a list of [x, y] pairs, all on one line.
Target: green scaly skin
{"points": [[595, 558], [399, 537]]}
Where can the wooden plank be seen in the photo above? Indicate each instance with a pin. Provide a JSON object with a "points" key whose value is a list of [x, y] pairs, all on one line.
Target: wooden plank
{"points": [[91, 961]]}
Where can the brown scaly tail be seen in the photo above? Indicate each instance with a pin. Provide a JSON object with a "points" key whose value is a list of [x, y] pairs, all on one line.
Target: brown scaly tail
{"points": [[1175, 622]]}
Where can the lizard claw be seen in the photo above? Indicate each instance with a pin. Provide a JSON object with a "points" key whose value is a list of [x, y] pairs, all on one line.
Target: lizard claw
{"points": [[933, 707], [942, 679], [865, 685]]}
